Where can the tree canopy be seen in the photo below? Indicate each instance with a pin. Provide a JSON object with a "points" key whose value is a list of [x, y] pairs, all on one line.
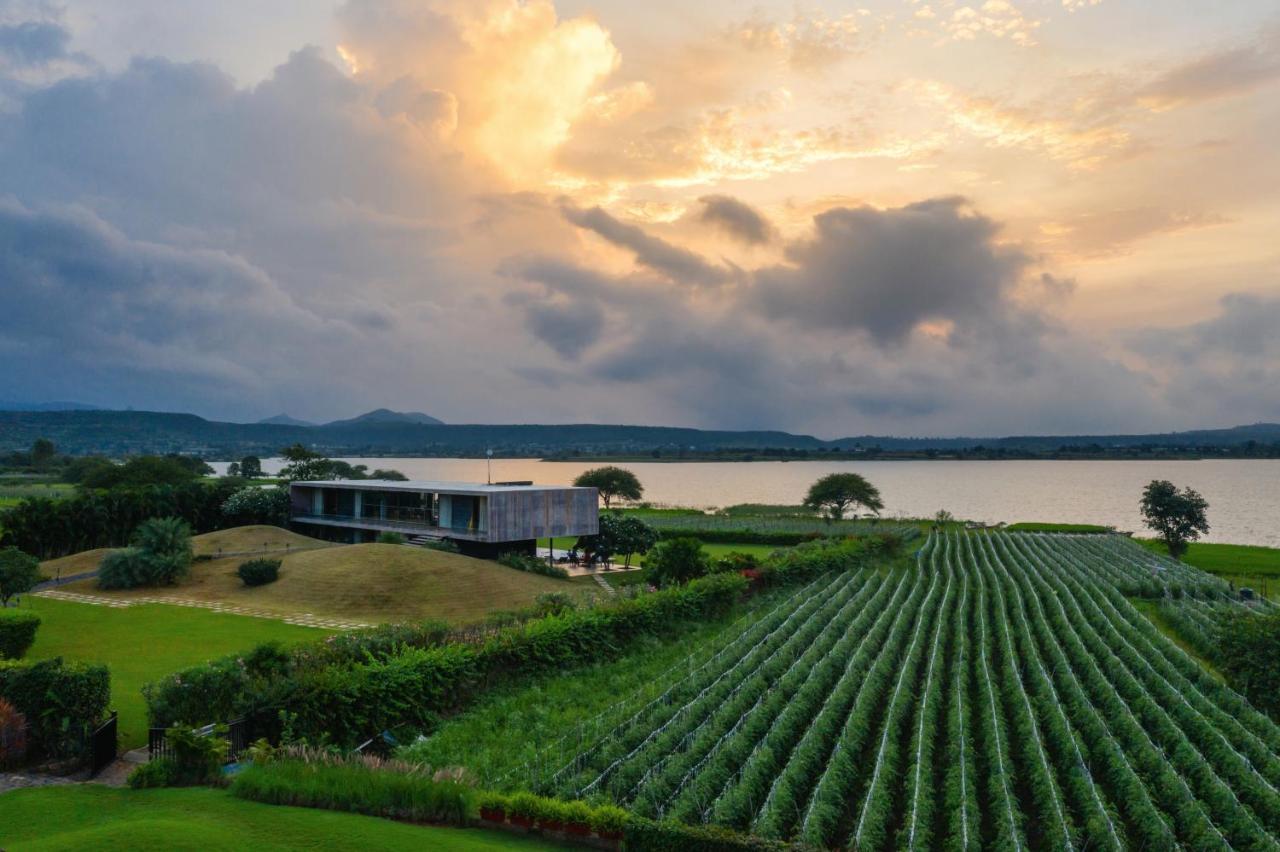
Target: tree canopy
{"points": [[836, 493], [677, 561], [19, 573], [612, 482], [141, 471], [1178, 517]]}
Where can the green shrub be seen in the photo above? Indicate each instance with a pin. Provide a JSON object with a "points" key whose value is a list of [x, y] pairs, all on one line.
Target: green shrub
{"points": [[736, 561], [554, 603], [160, 772], [364, 786], [532, 565], [60, 701], [196, 759], [676, 561], [389, 537], [19, 572], [259, 572], [17, 632], [444, 546], [161, 556]]}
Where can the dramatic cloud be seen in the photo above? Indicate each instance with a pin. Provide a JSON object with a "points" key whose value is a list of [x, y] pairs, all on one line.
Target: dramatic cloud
{"points": [[677, 263], [890, 272], [459, 206], [739, 220]]}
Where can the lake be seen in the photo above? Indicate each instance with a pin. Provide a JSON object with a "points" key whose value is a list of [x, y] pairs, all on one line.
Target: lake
{"points": [[1243, 494]]}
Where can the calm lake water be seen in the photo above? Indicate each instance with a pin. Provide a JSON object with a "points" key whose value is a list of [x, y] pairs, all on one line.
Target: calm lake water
{"points": [[1243, 495]]}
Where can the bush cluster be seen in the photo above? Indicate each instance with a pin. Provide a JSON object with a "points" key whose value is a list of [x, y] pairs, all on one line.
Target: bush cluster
{"points": [[161, 555], [254, 505], [61, 701], [17, 632], [532, 564], [259, 572], [390, 537], [192, 760], [13, 736], [346, 688]]}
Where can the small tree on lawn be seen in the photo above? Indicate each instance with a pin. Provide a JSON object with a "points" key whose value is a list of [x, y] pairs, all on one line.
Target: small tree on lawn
{"points": [[677, 561], [611, 482], [19, 573], [1178, 517], [835, 493]]}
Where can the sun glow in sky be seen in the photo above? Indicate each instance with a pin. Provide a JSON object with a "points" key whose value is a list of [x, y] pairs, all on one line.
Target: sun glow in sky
{"points": [[899, 216]]}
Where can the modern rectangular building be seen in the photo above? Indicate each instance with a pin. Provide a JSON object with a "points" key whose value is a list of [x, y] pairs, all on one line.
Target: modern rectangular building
{"points": [[482, 519]]}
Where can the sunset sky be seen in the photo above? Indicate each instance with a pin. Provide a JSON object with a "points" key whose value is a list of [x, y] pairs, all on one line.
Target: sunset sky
{"points": [[899, 216]]}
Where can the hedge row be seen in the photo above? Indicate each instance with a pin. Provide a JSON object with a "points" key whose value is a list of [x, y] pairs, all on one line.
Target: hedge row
{"points": [[397, 791], [17, 632], [60, 701], [346, 699]]}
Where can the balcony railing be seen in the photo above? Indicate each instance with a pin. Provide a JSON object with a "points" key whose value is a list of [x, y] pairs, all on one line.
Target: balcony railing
{"points": [[401, 524]]}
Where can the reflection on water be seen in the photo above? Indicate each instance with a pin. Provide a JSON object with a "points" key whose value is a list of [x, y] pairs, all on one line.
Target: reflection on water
{"points": [[1243, 495]]}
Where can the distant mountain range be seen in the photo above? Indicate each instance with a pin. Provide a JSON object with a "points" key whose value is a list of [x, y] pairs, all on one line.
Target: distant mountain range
{"points": [[388, 433], [10, 405]]}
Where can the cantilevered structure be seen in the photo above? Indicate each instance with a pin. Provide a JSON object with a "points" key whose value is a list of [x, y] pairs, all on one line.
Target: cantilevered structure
{"points": [[482, 519]]}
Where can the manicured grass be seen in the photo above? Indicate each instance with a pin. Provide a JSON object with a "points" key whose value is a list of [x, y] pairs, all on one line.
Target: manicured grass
{"points": [[144, 643], [95, 817], [1035, 526], [1225, 558], [365, 582], [508, 726]]}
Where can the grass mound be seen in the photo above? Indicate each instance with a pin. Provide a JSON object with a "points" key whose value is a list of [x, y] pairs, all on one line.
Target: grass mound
{"points": [[252, 538], [76, 563], [363, 582]]}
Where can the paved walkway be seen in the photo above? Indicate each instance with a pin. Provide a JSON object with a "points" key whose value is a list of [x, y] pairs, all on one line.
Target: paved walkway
{"points": [[304, 619], [19, 780]]}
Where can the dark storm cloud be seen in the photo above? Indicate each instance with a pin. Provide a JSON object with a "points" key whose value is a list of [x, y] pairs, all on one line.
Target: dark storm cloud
{"points": [[679, 264], [33, 42], [568, 327], [885, 272], [736, 218]]}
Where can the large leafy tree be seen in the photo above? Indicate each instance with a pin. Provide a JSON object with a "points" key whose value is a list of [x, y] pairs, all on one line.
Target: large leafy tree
{"points": [[618, 535], [835, 493], [141, 471], [612, 482], [251, 467], [677, 561], [19, 573], [1177, 516]]}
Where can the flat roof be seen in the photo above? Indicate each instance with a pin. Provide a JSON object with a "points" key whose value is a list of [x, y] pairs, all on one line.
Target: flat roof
{"points": [[433, 485]]}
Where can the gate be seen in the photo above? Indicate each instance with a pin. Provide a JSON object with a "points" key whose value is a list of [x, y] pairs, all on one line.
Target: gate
{"points": [[103, 745]]}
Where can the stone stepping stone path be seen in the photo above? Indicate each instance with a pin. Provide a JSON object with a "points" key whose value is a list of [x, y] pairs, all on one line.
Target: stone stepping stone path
{"points": [[604, 584], [304, 619]]}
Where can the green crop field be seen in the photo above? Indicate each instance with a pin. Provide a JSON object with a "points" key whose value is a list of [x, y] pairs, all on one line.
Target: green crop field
{"points": [[92, 817], [1036, 526], [1000, 691], [144, 643]]}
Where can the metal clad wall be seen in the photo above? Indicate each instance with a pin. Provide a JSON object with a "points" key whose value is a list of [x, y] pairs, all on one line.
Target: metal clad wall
{"points": [[522, 515]]}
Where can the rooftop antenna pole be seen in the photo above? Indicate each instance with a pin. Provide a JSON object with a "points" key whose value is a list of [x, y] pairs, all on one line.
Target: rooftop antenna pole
{"points": [[488, 465]]}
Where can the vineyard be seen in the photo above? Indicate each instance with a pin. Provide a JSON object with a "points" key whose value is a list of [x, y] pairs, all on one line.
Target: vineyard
{"points": [[1001, 692]]}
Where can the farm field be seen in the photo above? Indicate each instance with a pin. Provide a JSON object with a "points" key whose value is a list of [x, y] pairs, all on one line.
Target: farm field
{"points": [[96, 817], [364, 582], [144, 643], [1001, 692]]}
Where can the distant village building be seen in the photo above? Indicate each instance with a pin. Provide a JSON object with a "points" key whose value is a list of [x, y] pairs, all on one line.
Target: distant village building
{"points": [[482, 519]]}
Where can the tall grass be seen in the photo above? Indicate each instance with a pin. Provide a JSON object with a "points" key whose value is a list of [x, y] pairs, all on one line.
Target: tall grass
{"points": [[365, 785]]}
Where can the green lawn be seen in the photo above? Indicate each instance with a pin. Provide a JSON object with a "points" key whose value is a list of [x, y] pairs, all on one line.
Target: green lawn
{"points": [[144, 643], [86, 817], [1243, 564]]}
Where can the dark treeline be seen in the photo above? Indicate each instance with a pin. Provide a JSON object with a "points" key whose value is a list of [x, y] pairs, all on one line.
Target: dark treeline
{"points": [[51, 528]]}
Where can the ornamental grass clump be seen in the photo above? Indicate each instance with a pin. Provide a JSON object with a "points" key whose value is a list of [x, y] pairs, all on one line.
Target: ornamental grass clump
{"points": [[314, 778]]}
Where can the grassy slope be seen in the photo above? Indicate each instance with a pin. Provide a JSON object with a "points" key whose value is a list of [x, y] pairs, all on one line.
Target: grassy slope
{"points": [[143, 643], [96, 817], [369, 582]]}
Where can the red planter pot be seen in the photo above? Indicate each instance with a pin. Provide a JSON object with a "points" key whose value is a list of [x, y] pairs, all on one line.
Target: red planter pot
{"points": [[522, 821], [578, 829], [493, 814], [551, 825]]}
